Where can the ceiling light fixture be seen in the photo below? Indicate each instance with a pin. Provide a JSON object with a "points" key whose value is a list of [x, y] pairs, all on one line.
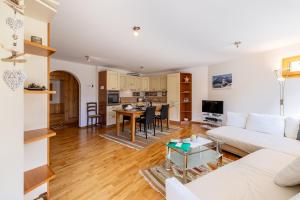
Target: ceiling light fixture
{"points": [[88, 59], [237, 44], [136, 30]]}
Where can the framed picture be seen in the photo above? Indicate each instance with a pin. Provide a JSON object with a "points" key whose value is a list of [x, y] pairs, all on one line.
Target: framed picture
{"points": [[222, 81]]}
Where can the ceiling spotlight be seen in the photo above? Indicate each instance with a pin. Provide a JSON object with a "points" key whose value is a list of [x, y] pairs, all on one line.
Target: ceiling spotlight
{"points": [[88, 59], [136, 30], [237, 44]]}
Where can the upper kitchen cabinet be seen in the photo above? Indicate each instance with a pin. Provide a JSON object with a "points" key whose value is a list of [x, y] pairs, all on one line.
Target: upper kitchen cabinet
{"points": [[155, 83], [163, 83], [113, 80], [145, 83], [123, 82]]}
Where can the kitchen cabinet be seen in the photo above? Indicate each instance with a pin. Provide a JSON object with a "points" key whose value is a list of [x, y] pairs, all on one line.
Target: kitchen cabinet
{"points": [[123, 82], [113, 80], [163, 83], [155, 83], [111, 114], [145, 83], [173, 97]]}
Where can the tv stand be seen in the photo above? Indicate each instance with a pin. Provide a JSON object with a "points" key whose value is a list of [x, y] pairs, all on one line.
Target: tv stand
{"points": [[211, 120]]}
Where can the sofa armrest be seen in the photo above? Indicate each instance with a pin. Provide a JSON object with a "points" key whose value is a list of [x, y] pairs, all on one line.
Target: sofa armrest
{"points": [[177, 191]]}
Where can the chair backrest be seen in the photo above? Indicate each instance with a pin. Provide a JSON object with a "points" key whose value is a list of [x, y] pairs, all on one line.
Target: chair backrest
{"points": [[164, 113], [150, 114], [91, 108]]}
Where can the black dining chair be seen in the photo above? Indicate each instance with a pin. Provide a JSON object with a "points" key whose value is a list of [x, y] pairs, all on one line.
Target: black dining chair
{"points": [[164, 115], [148, 120], [125, 118], [92, 113]]}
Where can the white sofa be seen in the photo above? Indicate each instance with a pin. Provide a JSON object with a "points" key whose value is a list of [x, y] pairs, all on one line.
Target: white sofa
{"points": [[250, 178], [258, 131], [263, 138]]}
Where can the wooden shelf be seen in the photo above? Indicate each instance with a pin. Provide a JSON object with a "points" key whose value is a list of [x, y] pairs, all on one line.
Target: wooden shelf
{"points": [[36, 135], [37, 177], [43, 10], [186, 82], [186, 111], [37, 49], [187, 102], [185, 92], [38, 92]]}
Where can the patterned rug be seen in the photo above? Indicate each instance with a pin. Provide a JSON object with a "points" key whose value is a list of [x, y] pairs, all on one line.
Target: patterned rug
{"points": [[157, 175], [140, 139]]}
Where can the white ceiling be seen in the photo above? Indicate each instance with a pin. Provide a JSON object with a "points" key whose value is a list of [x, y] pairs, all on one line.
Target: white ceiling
{"points": [[175, 33]]}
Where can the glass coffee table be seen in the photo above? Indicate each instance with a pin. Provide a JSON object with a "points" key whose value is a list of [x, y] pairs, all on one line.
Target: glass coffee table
{"points": [[188, 153]]}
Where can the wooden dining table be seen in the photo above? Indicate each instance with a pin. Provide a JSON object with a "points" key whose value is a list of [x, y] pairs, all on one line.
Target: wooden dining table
{"points": [[133, 114]]}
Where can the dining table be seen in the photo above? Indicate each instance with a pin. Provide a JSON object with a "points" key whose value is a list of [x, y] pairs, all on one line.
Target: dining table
{"points": [[133, 114]]}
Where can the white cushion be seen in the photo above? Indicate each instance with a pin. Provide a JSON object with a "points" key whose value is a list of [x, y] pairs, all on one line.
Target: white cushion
{"points": [[269, 124], [290, 175], [236, 119], [292, 127], [296, 197]]}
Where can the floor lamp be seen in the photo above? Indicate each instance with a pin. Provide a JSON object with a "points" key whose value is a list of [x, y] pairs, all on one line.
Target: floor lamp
{"points": [[281, 80]]}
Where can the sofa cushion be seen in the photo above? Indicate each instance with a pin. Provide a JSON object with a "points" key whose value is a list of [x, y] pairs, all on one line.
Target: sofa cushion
{"points": [[251, 178], [250, 141], [292, 127], [296, 197], [236, 119], [290, 175], [269, 124]]}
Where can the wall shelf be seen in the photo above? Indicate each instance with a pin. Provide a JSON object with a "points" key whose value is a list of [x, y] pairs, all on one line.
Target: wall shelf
{"points": [[37, 49], [186, 93], [39, 92], [36, 135], [43, 10], [37, 177]]}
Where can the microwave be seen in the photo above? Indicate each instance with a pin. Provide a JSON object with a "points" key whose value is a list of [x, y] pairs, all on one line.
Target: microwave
{"points": [[113, 97]]}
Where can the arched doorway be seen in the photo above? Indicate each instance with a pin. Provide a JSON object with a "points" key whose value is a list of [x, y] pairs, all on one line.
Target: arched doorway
{"points": [[64, 105]]}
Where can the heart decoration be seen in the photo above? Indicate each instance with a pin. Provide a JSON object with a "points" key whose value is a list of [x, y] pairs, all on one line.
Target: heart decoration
{"points": [[14, 78], [14, 24]]}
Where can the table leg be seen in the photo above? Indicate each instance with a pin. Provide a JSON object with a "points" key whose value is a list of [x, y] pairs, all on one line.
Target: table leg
{"points": [[168, 159], [118, 123], [132, 127], [185, 170]]}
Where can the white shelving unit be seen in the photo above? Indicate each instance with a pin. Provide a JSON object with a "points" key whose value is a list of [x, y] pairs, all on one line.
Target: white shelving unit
{"points": [[210, 121]]}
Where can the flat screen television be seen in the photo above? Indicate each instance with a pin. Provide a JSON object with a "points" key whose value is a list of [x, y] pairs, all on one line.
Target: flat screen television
{"points": [[215, 107]]}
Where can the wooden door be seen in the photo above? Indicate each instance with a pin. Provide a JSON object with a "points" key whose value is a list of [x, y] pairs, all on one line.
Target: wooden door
{"points": [[64, 108]]}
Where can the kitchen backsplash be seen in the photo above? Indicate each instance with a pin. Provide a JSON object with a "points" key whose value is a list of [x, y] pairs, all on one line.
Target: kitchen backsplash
{"points": [[153, 99]]}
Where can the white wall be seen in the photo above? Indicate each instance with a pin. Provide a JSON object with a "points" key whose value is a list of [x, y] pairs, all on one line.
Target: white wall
{"points": [[86, 75], [200, 90], [11, 118], [255, 88]]}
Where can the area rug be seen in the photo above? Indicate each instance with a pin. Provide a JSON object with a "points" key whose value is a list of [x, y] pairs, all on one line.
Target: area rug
{"points": [[157, 175], [140, 139]]}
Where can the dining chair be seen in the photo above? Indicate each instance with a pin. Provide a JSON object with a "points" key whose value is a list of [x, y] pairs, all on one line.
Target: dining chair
{"points": [[125, 118], [164, 115], [92, 113], [148, 119]]}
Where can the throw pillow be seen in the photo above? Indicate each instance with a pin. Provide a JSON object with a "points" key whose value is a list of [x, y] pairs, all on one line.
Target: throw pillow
{"points": [[236, 119], [292, 127], [290, 175], [296, 197]]}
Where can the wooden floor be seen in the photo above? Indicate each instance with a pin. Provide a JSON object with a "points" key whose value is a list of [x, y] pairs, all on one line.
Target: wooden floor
{"points": [[90, 167]]}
